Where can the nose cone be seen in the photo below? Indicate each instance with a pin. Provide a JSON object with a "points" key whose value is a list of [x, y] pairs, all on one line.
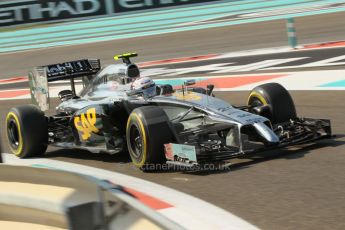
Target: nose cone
{"points": [[266, 133]]}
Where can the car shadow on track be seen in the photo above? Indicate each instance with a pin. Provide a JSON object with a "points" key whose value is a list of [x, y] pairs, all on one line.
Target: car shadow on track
{"points": [[86, 155], [72, 155]]}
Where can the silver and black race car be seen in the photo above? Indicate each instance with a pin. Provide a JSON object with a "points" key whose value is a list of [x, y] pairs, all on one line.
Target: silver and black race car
{"points": [[119, 111]]}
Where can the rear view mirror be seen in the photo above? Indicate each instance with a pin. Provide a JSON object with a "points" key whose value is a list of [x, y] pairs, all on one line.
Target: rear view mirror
{"points": [[65, 95], [189, 82], [210, 89]]}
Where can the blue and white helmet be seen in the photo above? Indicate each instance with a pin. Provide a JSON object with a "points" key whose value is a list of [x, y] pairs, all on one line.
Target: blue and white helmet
{"points": [[145, 86]]}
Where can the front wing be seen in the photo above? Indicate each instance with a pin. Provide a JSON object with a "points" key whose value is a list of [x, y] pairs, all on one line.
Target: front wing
{"points": [[294, 132]]}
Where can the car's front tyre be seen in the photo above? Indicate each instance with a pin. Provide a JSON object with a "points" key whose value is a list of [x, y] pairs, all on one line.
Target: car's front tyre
{"points": [[281, 107], [27, 131], [147, 131]]}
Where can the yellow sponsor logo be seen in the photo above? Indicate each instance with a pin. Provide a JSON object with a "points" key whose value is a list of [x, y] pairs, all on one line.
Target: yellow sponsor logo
{"points": [[187, 96], [85, 123]]}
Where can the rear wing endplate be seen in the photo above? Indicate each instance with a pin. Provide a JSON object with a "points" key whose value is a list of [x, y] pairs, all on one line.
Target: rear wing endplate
{"points": [[39, 77]]}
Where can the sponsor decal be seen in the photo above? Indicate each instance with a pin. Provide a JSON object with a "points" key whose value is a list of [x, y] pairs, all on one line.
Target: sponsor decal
{"points": [[79, 65], [85, 123], [131, 5], [187, 96], [39, 90], [178, 152], [31, 11]]}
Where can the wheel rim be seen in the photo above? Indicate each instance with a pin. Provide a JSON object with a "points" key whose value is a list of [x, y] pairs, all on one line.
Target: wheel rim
{"points": [[13, 133], [256, 102], [136, 141]]}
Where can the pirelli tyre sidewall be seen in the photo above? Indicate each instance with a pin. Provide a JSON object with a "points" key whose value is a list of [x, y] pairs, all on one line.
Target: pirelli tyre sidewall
{"points": [[27, 131], [281, 105], [147, 131]]}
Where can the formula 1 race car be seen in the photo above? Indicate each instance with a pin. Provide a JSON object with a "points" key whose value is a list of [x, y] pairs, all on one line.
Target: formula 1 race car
{"points": [[117, 110]]}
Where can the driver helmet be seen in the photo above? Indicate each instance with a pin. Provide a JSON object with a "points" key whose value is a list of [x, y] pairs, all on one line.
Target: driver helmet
{"points": [[145, 86]]}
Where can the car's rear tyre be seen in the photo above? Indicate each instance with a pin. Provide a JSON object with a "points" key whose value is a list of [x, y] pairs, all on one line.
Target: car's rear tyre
{"points": [[277, 98], [147, 131], [27, 131]]}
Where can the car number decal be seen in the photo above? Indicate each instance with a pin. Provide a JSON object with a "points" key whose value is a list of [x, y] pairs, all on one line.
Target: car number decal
{"points": [[85, 123]]}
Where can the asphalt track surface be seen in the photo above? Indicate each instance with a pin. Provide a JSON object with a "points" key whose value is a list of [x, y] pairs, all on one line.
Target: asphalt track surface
{"points": [[283, 189], [313, 29]]}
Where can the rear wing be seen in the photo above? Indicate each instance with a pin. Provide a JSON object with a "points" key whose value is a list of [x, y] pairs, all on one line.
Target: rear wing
{"points": [[73, 69], [40, 76]]}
